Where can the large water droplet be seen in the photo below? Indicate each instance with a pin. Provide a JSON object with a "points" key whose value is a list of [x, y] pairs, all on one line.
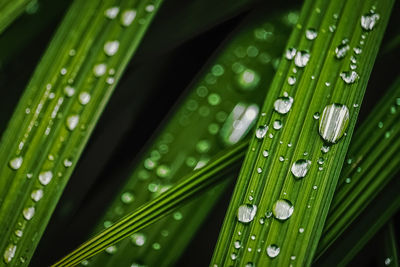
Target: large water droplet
{"points": [[111, 47], [311, 34], [246, 213], [9, 253], [261, 131], [290, 53], [28, 213], [72, 122], [283, 104], [300, 168], [282, 209], [301, 59], [138, 239], [37, 195], [45, 177], [333, 122], [349, 76], [341, 50], [368, 21], [127, 17], [15, 163], [273, 251]]}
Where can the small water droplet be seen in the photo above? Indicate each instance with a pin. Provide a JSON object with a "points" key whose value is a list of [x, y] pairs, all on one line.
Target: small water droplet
{"points": [[316, 115], [69, 91], [300, 168], [45, 177], [282, 209], [111, 47], [99, 69], [37, 195], [368, 21], [127, 17], [15, 163], [341, 50], [349, 77], [291, 80], [388, 261], [111, 12], [348, 180], [177, 216], [249, 264], [290, 53], [111, 250], [277, 125], [301, 59], [72, 122], [311, 34], [259, 170], [67, 163], [301, 230], [233, 256], [283, 104], [156, 246], [333, 122], [9, 253], [248, 79], [138, 239], [28, 213], [149, 8], [325, 149], [246, 213], [273, 251], [127, 198], [357, 50], [281, 159], [321, 161], [265, 153], [261, 131]]}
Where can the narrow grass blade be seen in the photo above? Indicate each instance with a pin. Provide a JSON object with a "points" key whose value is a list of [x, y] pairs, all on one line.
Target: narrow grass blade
{"points": [[390, 249], [10, 10], [58, 111], [231, 84], [280, 202]]}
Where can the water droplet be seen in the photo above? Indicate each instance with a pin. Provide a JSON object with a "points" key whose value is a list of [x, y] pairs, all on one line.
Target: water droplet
{"points": [[16, 163], [300, 168], [84, 98], [28, 213], [233, 256], [45, 177], [316, 115], [273, 251], [248, 79], [163, 171], [282, 209], [149, 8], [111, 250], [265, 153], [18, 233], [156, 246], [368, 21], [281, 159], [332, 28], [177, 216], [138, 239], [261, 131], [72, 122], [246, 213], [111, 12], [325, 149], [127, 198], [127, 17], [311, 34], [321, 161], [214, 99], [37, 195], [259, 170], [291, 80], [111, 47], [348, 180], [333, 122], [293, 258], [277, 125], [249, 264], [357, 50], [69, 91], [301, 59], [237, 244], [283, 104], [290, 53], [301, 230], [349, 76], [67, 163], [388, 261], [341, 50], [9, 253], [99, 69]]}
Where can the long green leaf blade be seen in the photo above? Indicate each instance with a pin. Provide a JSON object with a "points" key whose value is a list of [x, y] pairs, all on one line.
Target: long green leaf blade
{"points": [[57, 113], [10, 10], [268, 185]]}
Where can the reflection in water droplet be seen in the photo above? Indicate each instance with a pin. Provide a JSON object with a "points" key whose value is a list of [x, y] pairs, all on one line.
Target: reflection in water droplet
{"points": [[246, 213], [28, 213], [138, 239], [333, 122], [301, 59], [72, 122], [282, 209], [127, 17], [368, 21], [349, 76], [261, 131], [311, 34], [273, 251], [45, 177], [300, 168], [283, 104], [16, 163], [9, 253]]}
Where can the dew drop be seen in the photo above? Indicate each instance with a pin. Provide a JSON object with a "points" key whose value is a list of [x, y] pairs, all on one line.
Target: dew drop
{"points": [[273, 251], [301, 59], [368, 21], [333, 122], [261, 131], [277, 125], [67, 163], [341, 50], [249, 264], [111, 250], [72, 122], [246, 213], [15, 163], [301, 230], [282, 209], [283, 104], [291, 80], [37, 195], [99, 69], [84, 98], [28, 213], [311, 34], [138, 239], [316, 115], [357, 50], [149, 8], [237, 244], [127, 17], [290, 53], [248, 79], [259, 170], [127, 198], [349, 76], [300, 168], [325, 149], [348, 180], [45, 177], [111, 47], [69, 91], [9, 253], [265, 153], [111, 12]]}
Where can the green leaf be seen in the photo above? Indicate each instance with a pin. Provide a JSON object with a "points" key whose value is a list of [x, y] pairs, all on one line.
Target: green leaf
{"points": [[10, 10], [274, 185], [58, 111]]}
